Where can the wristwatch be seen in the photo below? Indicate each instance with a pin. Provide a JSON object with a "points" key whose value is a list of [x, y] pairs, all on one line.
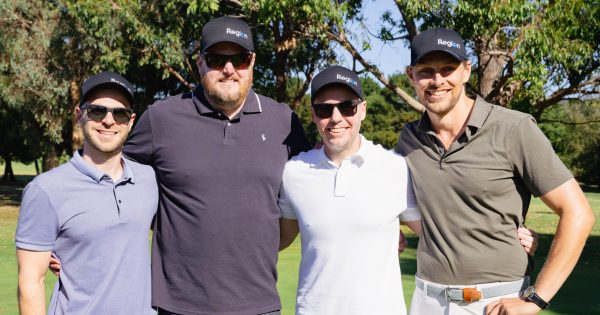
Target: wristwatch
{"points": [[530, 295]]}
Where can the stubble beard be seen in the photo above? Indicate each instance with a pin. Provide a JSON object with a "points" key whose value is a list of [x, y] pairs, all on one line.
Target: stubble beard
{"points": [[226, 99], [441, 109], [104, 148]]}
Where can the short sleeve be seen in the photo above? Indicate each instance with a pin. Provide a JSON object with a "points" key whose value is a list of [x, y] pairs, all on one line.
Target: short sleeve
{"points": [[534, 158], [38, 227], [296, 141], [411, 213], [286, 210], [140, 146]]}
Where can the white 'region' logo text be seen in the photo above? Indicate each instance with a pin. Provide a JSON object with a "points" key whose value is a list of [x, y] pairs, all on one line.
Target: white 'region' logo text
{"points": [[237, 33], [346, 79], [449, 43]]}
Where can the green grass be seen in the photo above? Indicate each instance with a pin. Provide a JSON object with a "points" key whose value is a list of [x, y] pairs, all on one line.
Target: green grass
{"points": [[579, 295]]}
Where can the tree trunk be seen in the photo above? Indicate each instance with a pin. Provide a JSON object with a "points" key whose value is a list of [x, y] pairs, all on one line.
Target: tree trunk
{"points": [[283, 43], [37, 166], [50, 159], [9, 175], [491, 65], [77, 136]]}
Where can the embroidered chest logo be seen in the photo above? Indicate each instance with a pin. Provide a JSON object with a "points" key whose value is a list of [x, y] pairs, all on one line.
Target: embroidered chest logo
{"points": [[263, 137]]}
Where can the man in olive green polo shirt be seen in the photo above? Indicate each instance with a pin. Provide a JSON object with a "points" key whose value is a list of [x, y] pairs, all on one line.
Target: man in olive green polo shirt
{"points": [[475, 166]]}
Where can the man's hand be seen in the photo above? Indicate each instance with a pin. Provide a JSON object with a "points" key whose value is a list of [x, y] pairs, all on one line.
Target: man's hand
{"points": [[403, 244], [54, 265], [529, 240], [511, 306]]}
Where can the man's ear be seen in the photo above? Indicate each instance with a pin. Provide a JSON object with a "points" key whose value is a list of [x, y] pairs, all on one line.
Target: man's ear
{"points": [[199, 61], [363, 108], [467, 65], [409, 73], [78, 113], [131, 120]]}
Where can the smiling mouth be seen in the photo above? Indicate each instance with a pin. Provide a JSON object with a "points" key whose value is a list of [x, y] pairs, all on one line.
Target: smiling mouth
{"points": [[227, 81], [336, 130], [438, 92], [107, 133]]}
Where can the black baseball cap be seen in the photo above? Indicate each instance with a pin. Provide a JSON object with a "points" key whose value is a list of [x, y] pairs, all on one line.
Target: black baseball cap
{"points": [[437, 39], [335, 75], [227, 29], [107, 79]]}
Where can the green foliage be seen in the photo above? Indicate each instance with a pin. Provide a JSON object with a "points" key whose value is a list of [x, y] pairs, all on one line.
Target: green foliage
{"points": [[26, 80], [572, 127], [386, 113], [546, 50]]}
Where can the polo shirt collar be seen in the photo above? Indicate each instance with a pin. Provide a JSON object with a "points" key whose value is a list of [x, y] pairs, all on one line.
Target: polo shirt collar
{"points": [[252, 104], [357, 158], [480, 113], [97, 175]]}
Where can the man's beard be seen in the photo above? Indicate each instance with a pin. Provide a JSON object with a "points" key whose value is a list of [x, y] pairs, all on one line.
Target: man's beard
{"points": [[229, 98]]}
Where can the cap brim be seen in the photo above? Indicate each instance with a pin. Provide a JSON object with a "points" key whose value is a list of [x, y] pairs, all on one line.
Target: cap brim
{"points": [[226, 41], [449, 52], [110, 85]]}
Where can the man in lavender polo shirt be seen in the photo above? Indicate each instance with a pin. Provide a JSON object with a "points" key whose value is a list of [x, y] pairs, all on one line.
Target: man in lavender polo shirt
{"points": [[93, 213]]}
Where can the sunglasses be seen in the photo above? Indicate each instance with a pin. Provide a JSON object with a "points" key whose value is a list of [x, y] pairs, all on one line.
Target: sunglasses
{"points": [[218, 61], [98, 112], [346, 108]]}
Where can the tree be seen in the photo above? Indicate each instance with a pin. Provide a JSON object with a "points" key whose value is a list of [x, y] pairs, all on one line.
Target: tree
{"points": [[572, 128], [528, 55], [27, 84], [16, 145], [386, 112]]}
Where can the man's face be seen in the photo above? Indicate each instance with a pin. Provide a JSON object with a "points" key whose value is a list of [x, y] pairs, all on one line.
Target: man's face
{"points": [[104, 136], [339, 132], [439, 81], [225, 86]]}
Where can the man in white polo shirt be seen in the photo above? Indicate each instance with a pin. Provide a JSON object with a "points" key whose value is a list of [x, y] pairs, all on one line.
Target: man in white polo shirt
{"points": [[347, 199]]}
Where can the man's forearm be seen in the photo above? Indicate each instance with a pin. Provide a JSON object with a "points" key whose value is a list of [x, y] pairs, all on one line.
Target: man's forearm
{"points": [[571, 234], [32, 297]]}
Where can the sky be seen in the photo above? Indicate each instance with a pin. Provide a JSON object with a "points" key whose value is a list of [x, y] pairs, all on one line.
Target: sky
{"points": [[389, 57]]}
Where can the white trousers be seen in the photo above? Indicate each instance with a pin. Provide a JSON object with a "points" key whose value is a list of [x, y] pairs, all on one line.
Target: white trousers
{"points": [[422, 304]]}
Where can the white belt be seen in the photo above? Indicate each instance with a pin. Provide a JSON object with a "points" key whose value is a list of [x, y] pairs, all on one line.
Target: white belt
{"points": [[471, 293]]}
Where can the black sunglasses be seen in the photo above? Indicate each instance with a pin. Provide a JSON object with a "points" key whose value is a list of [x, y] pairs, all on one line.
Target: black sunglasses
{"points": [[218, 61], [98, 112], [346, 108]]}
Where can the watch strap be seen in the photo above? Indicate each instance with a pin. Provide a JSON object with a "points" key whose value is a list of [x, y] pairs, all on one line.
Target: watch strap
{"points": [[536, 299]]}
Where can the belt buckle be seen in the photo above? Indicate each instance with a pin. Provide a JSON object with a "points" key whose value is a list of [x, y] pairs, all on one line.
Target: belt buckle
{"points": [[466, 294]]}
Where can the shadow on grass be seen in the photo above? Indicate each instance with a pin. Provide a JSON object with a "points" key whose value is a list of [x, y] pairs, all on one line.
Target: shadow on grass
{"points": [[590, 188], [578, 295], [10, 192]]}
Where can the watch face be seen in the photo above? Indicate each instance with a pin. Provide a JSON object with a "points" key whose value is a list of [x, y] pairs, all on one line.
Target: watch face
{"points": [[529, 291]]}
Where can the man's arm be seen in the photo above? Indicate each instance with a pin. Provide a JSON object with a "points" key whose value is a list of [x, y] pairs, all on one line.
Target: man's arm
{"points": [[288, 231], [574, 226], [415, 226], [32, 273]]}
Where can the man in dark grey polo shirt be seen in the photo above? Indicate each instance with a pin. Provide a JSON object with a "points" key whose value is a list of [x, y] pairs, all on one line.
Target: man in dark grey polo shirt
{"points": [[475, 167], [93, 213], [219, 154]]}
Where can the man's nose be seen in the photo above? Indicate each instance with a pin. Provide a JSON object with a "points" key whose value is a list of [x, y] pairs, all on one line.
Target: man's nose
{"points": [[228, 68], [336, 115], [438, 79]]}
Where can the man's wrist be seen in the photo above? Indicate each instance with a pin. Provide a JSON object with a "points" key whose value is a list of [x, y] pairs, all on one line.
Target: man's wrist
{"points": [[530, 295]]}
